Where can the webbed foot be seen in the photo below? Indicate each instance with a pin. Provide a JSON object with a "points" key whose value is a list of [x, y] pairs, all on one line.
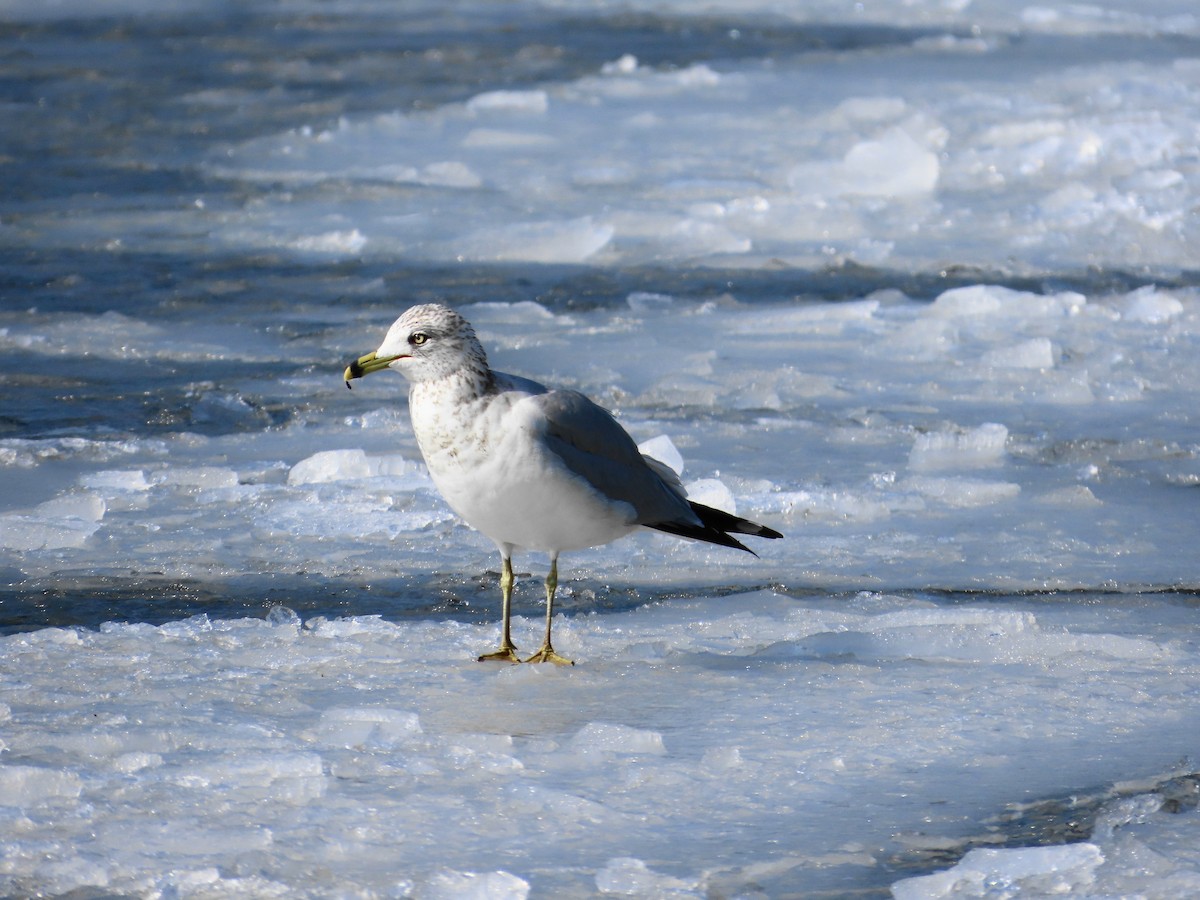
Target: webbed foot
{"points": [[547, 654], [504, 654]]}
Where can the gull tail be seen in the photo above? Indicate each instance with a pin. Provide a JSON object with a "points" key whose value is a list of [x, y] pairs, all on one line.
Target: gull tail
{"points": [[715, 527]]}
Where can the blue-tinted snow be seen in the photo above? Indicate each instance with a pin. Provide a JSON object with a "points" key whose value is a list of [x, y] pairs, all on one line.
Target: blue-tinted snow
{"points": [[913, 283]]}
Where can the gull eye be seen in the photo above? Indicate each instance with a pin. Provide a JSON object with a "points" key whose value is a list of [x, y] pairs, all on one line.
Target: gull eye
{"points": [[418, 338]]}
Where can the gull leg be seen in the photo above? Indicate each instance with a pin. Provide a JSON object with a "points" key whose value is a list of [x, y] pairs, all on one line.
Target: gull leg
{"points": [[508, 650], [546, 653]]}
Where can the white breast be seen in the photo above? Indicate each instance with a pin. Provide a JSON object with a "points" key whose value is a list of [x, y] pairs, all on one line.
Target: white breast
{"points": [[487, 461]]}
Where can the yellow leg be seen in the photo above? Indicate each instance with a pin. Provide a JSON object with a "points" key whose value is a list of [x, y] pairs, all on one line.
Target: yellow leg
{"points": [[508, 650], [546, 653]]}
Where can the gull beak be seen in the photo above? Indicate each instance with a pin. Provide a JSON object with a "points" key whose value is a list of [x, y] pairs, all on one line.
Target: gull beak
{"points": [[365, 365]]}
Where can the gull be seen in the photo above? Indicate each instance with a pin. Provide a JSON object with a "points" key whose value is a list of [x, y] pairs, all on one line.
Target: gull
{"points": [[529, 466]]}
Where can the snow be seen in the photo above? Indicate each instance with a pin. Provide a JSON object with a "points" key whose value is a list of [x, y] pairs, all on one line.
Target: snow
{"points": [[294, 753], [912, 283]]}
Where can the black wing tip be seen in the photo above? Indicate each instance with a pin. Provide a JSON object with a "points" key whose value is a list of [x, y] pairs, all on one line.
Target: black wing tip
{"points": [[715, 527], [724, 521], [701, 533]]}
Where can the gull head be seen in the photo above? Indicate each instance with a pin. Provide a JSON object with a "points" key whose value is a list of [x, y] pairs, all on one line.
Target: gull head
{"points": [[427, 343]]}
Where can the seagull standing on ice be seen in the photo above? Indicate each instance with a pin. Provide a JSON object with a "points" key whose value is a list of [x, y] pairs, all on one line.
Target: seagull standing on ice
{"points": [[530, 466]]}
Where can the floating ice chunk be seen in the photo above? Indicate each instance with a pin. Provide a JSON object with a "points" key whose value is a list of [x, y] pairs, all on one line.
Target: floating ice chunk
{"points": [[721, 759], [606, 737], [339, 465], [451, 174], [989, 299], [1150, 305], [336, 243], [925, 339], [949, 43], [387, 417], [361, 727], [999, 622], [24, 786], [451, 885], [697, 75], [964, 492], [62, 637], [389, 464], [712, 492], [1076, 496], [1025, 871], [64, 522], [966, 448], [572, 241], [85, 507], [807, 318], [894, 165], [502, 138], [646, 301], [351, 627], [189, 628], [208, 882], [284, 777], [631, 877], [979, 635], [1035, 353], [523, 312], [199, 476], [330, 465], [626, 65], [184, 838], [664, 450], [690, 236], [116, 479], [136, 761], [832, 505], [972, 300], [529, 102], [284, 617]]}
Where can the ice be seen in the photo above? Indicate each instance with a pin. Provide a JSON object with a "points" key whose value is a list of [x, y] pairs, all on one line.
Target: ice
{"points": [[1136, 846], [1035, 353], [359, 727], [22, 786], [116, 480], [913, 283], [451, 885], [1043, 871], [894, 165], [1150, 305], [338, 243], [338, 465], [63, 522], [295, 778], [630, 877], [200, 477], [627, 163], [216, 745], [604, 737], [553, 241], [967, 448], [712, 492], [523, 102], [664, 450]]}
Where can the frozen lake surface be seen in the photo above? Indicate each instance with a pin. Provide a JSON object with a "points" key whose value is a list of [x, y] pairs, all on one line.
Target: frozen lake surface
{"points": [[914, 284]]}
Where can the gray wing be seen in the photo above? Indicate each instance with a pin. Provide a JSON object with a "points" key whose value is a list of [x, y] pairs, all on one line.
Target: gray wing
{"points": [[594, 446]]}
